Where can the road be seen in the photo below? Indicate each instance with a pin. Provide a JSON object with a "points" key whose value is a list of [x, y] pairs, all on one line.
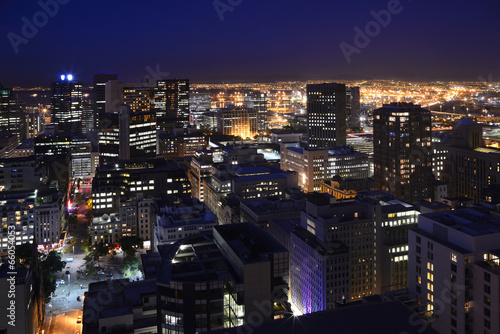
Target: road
{"points": [[64, 308], [63, 322]]}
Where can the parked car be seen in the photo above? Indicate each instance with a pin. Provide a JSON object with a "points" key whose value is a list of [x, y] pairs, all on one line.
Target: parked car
{"points": [[79, 320]]}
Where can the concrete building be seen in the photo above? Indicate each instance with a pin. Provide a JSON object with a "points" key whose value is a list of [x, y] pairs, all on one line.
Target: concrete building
{"points": [[237, 122], [175, 222], [326, 115], [470, 166], [315, 165], [257, 101], [454, 270], [138, 215], [49, 211], [402, 151], [24, 149], [17, 209], [106, 229], [29, 306], [12, 115], [184, 142], [128, 178], [21, 173], [221, 280], [8, 143], [319, 272], [131, 307], [261, 211]]}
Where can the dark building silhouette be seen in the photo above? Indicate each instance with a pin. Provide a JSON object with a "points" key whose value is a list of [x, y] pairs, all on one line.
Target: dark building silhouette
{"points": [[12, 116], [172, 103], [66, 102], [326, 115], [402, 151]]}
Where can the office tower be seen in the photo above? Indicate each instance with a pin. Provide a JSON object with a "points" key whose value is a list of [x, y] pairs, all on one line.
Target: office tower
{"points": [[82, 159], [222, 280], [127, 135], [126, 179], [326, 115], [454, 270], [88, 118], [402, 151], [66, 105], [35, 117], [348, 223], [199, 103], [257, 101], [200, 172], [392, 220], [99, 90], [171, 99], [237, 122], [49, 210], [12, 115], [353, 100], [315, 165], [470, 167]]}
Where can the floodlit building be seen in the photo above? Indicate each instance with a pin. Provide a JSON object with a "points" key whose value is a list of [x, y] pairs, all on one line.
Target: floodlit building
{"points": [[315, 165]]}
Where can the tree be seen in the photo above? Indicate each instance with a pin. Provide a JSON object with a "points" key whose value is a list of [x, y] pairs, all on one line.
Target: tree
{"points": [[49, 266], [130, 244], [130, 268], [24, 253]]}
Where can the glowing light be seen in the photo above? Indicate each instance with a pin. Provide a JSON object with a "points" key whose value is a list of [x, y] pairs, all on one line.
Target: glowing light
{"points": [[63, 77], [70, 77]]}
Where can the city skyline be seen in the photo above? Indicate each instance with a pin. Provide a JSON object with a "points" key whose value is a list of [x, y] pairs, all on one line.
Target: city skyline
{"points": [[248, 41]]}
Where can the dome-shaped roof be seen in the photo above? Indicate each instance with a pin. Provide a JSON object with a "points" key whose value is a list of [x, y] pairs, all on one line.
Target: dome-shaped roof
{"points": [[466, 121]]}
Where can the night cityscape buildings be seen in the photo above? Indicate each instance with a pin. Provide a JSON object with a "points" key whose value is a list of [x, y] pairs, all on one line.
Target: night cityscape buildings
{"points": [[175, 168]]}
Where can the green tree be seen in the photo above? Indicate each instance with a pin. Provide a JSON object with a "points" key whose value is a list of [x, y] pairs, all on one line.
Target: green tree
{"points": [[49, 266], [130, 268], [130, 244]]}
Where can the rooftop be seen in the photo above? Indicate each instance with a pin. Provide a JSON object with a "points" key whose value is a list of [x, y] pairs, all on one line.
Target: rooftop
{"points": [[466, 220]]}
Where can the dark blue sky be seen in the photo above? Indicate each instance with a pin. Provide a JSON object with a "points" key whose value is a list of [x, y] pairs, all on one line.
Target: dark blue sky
{"points": [[257, 40]]}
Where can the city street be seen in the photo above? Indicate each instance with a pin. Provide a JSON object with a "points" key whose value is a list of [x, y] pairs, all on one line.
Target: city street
{"points": [[65, 307]]}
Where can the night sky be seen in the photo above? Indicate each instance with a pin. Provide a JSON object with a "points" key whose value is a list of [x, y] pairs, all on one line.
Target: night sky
{"points": [[259, 40]]}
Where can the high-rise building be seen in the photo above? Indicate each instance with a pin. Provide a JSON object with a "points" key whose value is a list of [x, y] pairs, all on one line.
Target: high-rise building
{"points": [[99, 90], [66, 104], [353, 100], [12, 116], [454, 270], [326, 115], [402, 151], [470, 167], [257, 101], [171, 99], [18, 214], [184, 142]]}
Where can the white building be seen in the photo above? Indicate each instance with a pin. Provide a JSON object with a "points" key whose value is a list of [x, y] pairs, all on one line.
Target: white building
{"points": [[454, 270]]}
